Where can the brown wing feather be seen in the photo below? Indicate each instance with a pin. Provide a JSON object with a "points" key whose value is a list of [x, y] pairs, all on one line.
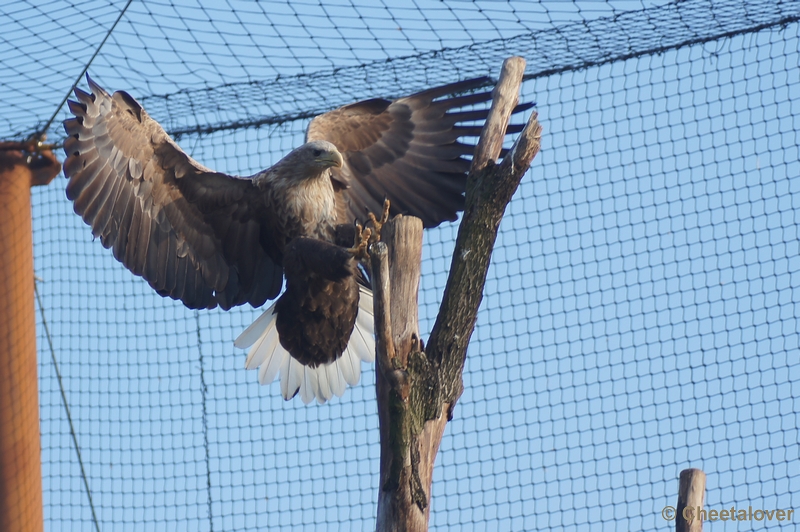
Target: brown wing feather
{"points": [[193, 234], [407, 151]]}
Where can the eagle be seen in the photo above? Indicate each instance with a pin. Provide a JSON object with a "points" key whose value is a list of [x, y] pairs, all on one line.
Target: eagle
{"points": [[210, 239]]}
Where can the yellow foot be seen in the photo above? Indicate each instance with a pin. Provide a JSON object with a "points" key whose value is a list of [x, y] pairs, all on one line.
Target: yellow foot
{"points": [[359, 249], [377, 224]]}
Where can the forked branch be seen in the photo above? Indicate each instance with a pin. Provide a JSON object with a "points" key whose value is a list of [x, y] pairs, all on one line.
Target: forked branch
{"points": [[418, 386]]}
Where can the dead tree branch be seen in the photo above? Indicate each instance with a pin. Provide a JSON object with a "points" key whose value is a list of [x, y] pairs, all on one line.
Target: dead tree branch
{"points": [[489, 189], [417, 387]]}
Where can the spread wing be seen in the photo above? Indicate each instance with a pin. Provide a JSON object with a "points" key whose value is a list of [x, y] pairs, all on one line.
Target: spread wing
{"points": [[195, 235], [407, 151]]}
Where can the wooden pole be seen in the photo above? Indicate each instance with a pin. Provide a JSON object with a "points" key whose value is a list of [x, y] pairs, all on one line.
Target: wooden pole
{"points": [[20, 443], [691, 497], [417, 387]]}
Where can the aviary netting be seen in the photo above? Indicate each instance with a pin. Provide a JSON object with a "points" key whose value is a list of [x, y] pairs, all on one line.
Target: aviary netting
{"points": [[641, 314]]}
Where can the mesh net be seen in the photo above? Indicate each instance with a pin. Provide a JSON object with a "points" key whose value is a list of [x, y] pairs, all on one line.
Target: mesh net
{"points": [[641, 312]]}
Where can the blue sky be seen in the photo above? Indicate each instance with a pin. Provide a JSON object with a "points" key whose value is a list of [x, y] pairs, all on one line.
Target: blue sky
{"points": [[641, 314]]}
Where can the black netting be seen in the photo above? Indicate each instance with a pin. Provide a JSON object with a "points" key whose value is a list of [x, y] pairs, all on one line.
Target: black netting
{"points": [[641, 313]]}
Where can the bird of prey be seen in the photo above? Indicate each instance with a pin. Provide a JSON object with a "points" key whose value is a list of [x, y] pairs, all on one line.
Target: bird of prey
{"points": [[209, 239]]}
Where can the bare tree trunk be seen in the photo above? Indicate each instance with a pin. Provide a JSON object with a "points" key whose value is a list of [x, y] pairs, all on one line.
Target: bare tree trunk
{"points": [[417, 386]]}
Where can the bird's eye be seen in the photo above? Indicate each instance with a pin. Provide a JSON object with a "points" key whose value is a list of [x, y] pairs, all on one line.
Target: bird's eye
{"points": [[317, 153]]}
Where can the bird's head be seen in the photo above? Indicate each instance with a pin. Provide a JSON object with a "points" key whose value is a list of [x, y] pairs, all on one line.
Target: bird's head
{"points": [[318, 155], [310, 161]]}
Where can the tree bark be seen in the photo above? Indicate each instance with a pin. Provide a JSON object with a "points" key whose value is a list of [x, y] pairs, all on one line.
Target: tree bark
{"points": [[691, 497], [418, 387], [402, 504]]}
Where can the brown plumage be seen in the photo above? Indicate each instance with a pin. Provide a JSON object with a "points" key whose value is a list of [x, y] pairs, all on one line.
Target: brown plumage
{"points": [[320, 301], [211, 239]]}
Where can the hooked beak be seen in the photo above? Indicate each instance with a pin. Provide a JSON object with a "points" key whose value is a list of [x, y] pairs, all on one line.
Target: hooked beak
{"points": [[332, 158]]}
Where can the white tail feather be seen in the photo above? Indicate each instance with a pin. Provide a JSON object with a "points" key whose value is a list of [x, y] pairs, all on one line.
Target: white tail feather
{"points": [[365, 299], [356, 362], [335, 379], [323, 382], [285, 365], [306, 393], [263, 349], [364, 343], [295, 379], [253, 333], [269, 370], [309, 389], [346, 365]]}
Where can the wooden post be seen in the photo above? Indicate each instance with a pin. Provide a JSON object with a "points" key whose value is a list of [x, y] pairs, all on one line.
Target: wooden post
{"points": [[691, 497], [417, 387], [20, 443]]}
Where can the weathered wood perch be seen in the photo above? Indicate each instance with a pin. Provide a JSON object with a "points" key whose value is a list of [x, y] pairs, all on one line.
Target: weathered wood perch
{"points": [[691, 495], [417, 385]]}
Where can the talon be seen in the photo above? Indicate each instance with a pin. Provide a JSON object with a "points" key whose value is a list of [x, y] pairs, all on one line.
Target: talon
{"points": [[377, 224], [362, 238]]}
